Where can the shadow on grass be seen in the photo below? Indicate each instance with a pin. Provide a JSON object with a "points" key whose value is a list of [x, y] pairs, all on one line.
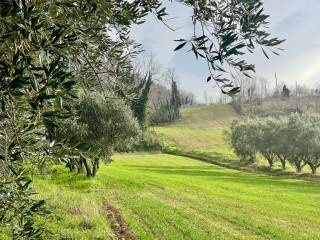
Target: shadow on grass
{"points": [[64, 178], [217, 173]]}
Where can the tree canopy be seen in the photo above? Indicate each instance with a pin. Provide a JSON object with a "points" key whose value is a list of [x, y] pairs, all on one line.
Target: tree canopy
{"points": [[294, 139]]}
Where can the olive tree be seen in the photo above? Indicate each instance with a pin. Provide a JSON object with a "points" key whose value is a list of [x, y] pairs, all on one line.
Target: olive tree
{"points": [[265, 137], [281, 141], [242, 140], [309, 145], [294, 138], [297, 136], [99, 125], [46, 46], [314, 161]]}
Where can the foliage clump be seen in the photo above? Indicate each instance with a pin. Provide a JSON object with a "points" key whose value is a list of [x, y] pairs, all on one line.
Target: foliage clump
{"points": [[285, 92], [242, 139]]}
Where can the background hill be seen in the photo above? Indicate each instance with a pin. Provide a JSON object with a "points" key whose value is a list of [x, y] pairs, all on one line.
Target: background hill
{"points": [[278, 106], [200, 131]]}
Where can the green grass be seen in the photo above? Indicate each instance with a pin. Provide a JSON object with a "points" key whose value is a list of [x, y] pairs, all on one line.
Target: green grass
{"points": [[171, 197], [200, 131], [76, 203]]}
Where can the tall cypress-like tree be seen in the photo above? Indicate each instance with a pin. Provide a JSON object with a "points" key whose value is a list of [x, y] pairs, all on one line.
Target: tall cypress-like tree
{"points": [[175, 101], [140, 104], [285, 92]]}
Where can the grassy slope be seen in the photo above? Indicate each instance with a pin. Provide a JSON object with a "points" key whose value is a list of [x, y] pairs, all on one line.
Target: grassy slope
{"points": [[170, 197], [200, 131]]}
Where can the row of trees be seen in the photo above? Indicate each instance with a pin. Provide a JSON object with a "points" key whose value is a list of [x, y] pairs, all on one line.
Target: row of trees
{"points": [[294, 139], [259, 89]]}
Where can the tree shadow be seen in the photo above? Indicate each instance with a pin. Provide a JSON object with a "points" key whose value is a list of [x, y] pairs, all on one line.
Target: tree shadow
{"points": [[223, 160], [214, 173]]}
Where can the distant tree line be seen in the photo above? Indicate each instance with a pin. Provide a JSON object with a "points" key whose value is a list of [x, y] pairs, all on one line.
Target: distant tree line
{"points": [[256, 89], [169, 110], [166, 99], [293, 139]]}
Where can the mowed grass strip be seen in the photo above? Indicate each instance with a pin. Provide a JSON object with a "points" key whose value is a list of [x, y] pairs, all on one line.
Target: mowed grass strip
{"points": [[213, 116], [170, 197]]}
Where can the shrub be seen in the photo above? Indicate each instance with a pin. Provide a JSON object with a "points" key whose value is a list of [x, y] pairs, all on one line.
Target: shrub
{"points": [[148, 141]]}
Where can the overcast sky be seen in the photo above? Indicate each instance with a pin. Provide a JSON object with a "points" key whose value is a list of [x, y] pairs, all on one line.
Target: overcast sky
{"points": [[295, 20]]}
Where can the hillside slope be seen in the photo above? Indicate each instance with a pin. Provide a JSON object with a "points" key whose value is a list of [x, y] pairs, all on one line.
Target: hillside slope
{"points": [[163, 196], [200, 132], [276, 106]]}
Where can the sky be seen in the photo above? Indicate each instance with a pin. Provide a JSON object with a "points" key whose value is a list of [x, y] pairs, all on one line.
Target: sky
{"points": [[296, 21]]}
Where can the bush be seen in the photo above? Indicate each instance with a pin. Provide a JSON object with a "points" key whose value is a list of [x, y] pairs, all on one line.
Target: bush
{"points": [[148, 141]]}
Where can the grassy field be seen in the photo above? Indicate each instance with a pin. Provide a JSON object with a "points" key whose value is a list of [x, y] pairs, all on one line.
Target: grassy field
{"points": [[200, 131], [164, 196], [76, 203], [171, 197]]}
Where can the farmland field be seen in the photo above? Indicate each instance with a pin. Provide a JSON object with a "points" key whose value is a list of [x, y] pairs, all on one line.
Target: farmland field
{"points": [[159, 120], [164, 196], [171, 197]]}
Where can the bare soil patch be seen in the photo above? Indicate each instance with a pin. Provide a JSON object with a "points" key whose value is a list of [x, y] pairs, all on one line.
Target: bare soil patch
{"points": [[119, 227]]}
